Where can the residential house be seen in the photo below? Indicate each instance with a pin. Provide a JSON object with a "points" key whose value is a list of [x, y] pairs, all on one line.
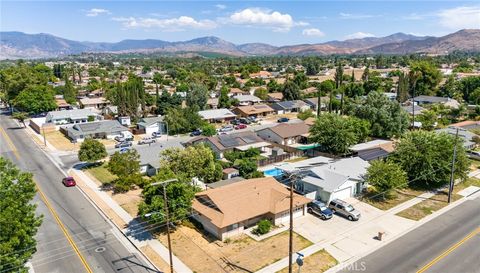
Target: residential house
{"points": [[261, 74], [237, 91], [463, 134], [217, 115], [275, 97], [71, 116], [101, 129], [62, 103], [247, 99], [286, 133], [409, 108], [284, 107], [467, 125], [152, 125], [150, 156], [338, 179], [374, 149], [309, 91], [230, 173], [313, 103], [240, 141], [253, 110], [227, 211], [212, 103], [94, 103], [420, 100]]}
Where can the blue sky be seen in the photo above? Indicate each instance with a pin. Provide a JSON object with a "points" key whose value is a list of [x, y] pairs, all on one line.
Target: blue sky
{"points": [[273, 22]]}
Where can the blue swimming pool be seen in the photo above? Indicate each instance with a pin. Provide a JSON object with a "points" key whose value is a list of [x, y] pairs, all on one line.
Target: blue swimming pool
{"points": [[273, 172]]}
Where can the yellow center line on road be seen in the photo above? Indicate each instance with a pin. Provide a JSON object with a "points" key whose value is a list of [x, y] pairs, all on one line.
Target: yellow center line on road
{"points": [[449, 250], [50, 208]]}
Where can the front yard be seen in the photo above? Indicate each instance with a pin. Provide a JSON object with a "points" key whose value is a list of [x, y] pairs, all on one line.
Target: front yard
{"points": [[62, 143], [428, 206], [203, 253], [402, 195], [101, 174], [320, 261]]}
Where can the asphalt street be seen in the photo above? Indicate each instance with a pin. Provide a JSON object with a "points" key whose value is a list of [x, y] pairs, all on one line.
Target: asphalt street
{"points": [[441, 245], [95, 239]]}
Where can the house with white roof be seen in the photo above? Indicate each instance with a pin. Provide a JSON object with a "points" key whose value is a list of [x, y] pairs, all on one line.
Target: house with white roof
{"points": [[72, 116], [217, 115]]}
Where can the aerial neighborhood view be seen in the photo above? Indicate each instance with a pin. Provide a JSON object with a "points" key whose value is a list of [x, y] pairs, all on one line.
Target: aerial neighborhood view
{"points": [[239, 136]]}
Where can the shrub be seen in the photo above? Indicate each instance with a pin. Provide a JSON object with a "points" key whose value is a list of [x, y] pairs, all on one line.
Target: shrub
{"points": [[263, 227]]}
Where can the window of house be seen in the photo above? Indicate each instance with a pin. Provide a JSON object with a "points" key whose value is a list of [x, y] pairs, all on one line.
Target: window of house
{"points": [[232, 227]]}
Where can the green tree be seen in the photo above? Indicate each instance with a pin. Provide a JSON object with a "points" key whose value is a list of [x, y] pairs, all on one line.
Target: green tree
{"points": [[386, 117], [194, 161], [261, 93], [209, 130], [385, 177], [247, 168], [306, 114], [21, 117], [127, 167], [197, 96], [426, 157], [428, 119], [429, 77], [291, 91], [92, 150], [402, 88], [18, 222], [263, 227], [224, 100], [36, 99], [336, 134]]}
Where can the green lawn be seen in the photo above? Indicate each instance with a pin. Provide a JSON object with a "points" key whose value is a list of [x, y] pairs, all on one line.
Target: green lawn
{"points": [[102, 174], [428, 206], [401, 195], [471, 181]]}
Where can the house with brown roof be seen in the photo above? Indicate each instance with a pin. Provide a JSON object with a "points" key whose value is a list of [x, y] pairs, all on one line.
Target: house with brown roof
{"points": [[237, 92], [275, 97], [240, 141], [228, 210], [286, 133], [253, 110]]}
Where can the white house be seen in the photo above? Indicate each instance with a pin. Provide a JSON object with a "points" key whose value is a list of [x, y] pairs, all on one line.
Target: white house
{"points": [[101, 129], [217, 115], [152, 125], [71, 116]]}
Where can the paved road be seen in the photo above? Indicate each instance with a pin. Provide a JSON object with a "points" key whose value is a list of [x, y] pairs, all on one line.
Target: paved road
{"points": [[419, 247], [91, 233]]}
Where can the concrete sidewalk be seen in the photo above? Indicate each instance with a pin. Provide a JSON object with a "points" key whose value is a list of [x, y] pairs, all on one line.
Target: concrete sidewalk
{"points": [[121, 218]]}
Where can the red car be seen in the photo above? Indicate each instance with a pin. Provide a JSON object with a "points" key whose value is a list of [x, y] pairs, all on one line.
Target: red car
{"points": [[240, 126], [69, 182]]}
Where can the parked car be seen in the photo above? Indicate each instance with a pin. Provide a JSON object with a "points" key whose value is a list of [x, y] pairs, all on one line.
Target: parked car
{"points": [[156, 134], [473, 155], [226, 128], [282, 120], [124, 150], [196, 132], [126, 136], [69, 182], [146, 140], [124, 144], [252, 119], [120, 139], [235, 121], [320, 209], [240, 126], [345, 209], [245, 121]]}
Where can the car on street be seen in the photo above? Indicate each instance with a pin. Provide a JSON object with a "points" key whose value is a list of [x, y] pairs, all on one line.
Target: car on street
{"points": [[473, 155], [320, 209], [245, 121], [345, 209], [196, 132], [240, 126], [226, 128], [124, 144], [282, 120], [69, 181], [146, 140]]}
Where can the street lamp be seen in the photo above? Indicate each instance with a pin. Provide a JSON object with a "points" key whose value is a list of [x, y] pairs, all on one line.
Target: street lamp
{"points": [[164, 184]]}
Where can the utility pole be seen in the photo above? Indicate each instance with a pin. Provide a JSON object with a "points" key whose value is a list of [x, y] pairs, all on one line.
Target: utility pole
{"points": [[290, 236], [44, 138], [450, 188], [164, 184]]}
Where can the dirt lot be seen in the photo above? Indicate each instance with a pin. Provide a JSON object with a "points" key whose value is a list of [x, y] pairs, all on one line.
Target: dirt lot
{"points": [[402, 195], [428, 206], [318, 262], [205, 254], [157, 260], [62, 143]]}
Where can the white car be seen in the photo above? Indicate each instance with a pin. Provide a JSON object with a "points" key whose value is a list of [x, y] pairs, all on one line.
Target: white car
{"points": [[146, 140]]}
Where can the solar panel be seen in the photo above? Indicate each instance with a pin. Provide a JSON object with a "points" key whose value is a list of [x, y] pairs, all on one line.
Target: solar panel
{"points": [[249, 139], [228, 141]]}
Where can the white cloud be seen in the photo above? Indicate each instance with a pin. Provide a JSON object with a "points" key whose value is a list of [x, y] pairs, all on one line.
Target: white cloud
{"points": [[220, 6], [359, 35], [354, 16], [171, 24], [264, 18], [95, 12], [315, 32], [460, 17]]}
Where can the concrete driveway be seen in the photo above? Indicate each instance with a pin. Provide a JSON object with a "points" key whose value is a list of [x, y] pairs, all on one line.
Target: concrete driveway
{"points": [[317, 230]]}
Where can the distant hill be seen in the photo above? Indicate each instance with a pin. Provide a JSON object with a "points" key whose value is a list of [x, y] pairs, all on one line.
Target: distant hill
{"points": [[15, 45]]}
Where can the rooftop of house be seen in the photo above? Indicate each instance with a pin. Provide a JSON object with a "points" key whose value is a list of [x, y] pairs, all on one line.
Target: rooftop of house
{"points": [[431, 99], [276, 95], [247, 98], [288, 105], [105, 126], [69, 114], [150, 154], [234, 140], [145, 122], [370, 144], [216, 114], [409, 109], [286, 130], [466, 135], [233, 203], [254, 109], [90, 101]]}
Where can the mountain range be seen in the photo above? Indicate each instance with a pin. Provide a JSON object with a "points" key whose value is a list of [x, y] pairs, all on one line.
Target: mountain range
{"points": [[15, 45]]}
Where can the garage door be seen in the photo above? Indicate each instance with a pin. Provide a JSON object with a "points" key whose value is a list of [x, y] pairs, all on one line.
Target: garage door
{"points": [[343, 193]]}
